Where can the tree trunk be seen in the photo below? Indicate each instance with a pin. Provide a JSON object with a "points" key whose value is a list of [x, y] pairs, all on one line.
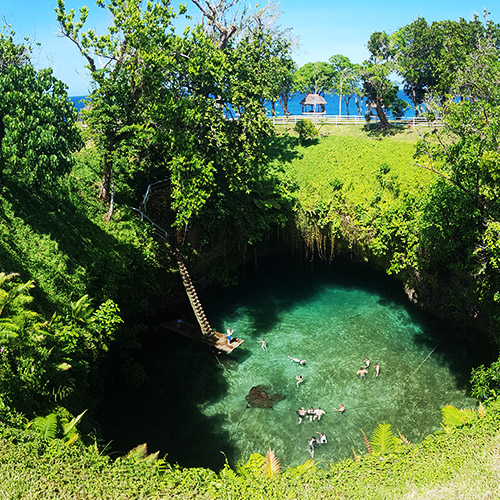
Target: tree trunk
{"points": [[108, 216], [346, 100], [284, 104], [384, 123], [107, 167], [273, 108]]}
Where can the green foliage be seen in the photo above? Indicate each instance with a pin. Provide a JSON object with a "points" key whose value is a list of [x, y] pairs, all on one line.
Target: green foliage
{"points": [[383, 441], [485, 382], [306, 130], [37, 120]]}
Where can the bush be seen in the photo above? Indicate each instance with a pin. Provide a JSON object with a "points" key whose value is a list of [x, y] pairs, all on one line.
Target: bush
{"points": [[306, 130]]}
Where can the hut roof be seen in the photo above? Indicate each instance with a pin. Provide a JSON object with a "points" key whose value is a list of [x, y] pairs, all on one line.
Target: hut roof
{"points": [[311, 99]]}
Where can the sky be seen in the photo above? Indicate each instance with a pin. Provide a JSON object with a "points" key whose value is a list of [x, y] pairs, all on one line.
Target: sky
{"points": [[323, 27]]}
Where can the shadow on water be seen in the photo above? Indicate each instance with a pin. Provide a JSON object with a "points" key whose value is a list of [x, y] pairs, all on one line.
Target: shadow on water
{"points": [[164, 410]]}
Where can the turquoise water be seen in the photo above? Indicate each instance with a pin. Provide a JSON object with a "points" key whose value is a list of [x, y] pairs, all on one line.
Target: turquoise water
{"points": [[193, 405]]}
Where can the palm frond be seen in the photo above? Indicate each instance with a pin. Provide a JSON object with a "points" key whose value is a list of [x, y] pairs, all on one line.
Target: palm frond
{"points": [[271, 466], [140, 452], [367, 443], [383, 440]]}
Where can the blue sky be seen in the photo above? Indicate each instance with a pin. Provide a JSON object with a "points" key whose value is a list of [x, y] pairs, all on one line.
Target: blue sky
{"points": [[324, 27]]}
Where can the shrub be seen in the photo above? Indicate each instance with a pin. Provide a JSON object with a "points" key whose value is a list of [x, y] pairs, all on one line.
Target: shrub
{"points": [[306, 130]]}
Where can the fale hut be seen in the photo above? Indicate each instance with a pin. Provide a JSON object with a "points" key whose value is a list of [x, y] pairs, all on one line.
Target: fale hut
{"points": [[313, 103]]}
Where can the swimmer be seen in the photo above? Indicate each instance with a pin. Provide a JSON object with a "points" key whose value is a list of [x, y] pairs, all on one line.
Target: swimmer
{"points": [[322, 438], [377, 369], [263, 344], [362, 372], [301, 413], [318, 413], [297, 360], [340, 409], [367, 363], [299, 379], [311, 413], [312, 445]]}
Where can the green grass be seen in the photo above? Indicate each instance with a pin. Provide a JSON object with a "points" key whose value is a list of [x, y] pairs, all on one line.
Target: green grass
{"points": [[355, 158]]}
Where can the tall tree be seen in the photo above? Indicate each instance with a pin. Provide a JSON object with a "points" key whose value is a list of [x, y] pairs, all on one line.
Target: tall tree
{"points": [[346, 79], [38, 133], [314, 78], [381, 93]]}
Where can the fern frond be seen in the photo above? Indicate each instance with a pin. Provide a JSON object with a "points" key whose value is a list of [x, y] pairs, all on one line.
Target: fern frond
{"points": [[383, 440], [481, 411], [46, 426], [308, 467], [367, 443], [271, 466], [452, 417], [253, 466], [140, 452], [357, 458], [403, 439], [82, 309]]}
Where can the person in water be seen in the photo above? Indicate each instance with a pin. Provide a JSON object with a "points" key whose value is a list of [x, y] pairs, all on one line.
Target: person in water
{"points": [[322, 438], [313, 442], [311, 413], [367, 363], [340, 409], [263, 344], [299, 379], [377, 369], [362, 372], [297, 360], [229, 334], [301, 413], [318, 413]]}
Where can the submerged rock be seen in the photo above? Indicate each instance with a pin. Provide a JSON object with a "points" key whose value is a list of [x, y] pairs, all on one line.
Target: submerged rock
{"points": [[259, 397]]}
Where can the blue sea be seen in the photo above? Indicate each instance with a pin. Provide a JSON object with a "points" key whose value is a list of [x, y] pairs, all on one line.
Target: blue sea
{"points": [[294, 107]]}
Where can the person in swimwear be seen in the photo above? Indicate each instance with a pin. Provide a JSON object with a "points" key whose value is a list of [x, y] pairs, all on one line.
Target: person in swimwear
{"points": [[299, 379], [377, 369], [229, 334], [297, 360], [322, 438], [340, 409], [301, 413], [362, 372], [313, 442], [318, 413], [263, 344], [367, 363], [311, 413]]}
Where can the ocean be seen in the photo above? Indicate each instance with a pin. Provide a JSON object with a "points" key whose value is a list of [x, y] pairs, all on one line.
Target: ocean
{"points": [[294, 107]]}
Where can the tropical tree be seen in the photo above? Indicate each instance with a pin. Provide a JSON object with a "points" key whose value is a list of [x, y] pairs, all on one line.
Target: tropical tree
{"points": [[346, 81], [380, 92], [314, 78], [38, 133]]}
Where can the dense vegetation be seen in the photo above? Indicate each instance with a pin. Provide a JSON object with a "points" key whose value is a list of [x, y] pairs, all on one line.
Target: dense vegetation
{"points": [[78, 276]]}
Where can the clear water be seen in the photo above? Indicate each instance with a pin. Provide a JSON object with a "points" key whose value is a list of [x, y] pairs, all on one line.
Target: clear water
{"points": [[193, 405]]}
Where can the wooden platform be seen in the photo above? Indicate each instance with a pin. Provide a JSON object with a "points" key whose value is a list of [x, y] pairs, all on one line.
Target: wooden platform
{"points": [[216, 339]]}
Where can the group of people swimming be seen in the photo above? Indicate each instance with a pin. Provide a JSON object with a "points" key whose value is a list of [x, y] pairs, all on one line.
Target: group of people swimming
{"points": [[363, 371], [313, 442]]}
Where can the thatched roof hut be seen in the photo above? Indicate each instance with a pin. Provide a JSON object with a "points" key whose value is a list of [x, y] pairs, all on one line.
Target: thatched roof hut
{"points": [[313, 103]]}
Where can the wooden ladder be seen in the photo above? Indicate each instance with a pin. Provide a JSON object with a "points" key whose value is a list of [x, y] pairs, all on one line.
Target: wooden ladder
{"points": [[194, 300]]}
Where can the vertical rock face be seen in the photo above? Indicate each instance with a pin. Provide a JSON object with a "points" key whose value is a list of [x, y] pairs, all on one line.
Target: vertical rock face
{"points": [[259, 397]]}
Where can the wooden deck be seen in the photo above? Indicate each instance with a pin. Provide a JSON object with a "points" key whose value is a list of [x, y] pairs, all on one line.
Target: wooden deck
{"points": [[215, 339]]}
